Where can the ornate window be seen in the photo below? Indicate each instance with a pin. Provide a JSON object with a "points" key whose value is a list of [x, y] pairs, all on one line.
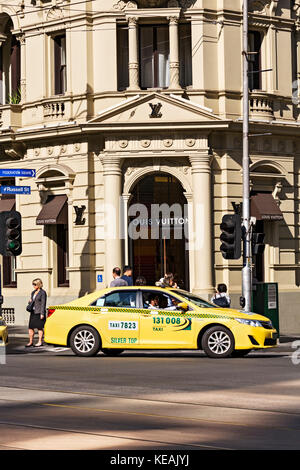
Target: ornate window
{"points": [[154, 62], [60, 65], [255, 43], [10, 65]]}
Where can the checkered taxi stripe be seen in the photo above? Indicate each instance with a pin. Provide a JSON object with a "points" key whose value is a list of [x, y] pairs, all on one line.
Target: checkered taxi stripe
{"points": [[139, 310]]}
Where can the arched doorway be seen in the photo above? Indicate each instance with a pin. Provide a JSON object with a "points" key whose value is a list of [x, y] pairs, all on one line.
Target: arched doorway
{"points": [[158, 229]]}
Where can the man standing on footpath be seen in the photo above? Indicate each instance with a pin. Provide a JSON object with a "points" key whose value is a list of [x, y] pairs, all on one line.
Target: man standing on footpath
{"points": [[127, 275], [117, 281]]}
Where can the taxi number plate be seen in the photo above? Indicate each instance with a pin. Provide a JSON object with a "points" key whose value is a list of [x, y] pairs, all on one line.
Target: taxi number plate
{"points": [[123, 325]]}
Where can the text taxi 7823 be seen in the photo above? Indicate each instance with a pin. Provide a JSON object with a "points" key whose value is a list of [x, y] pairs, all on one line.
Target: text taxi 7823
{"points": [[115, 319]]}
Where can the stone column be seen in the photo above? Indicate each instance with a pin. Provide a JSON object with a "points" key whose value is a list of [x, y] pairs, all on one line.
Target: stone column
{"points": [[21, 39], [296, 99], [125, 198], [202, 245], [133, 54], [174, 54], [3, 38], [112, 193]]}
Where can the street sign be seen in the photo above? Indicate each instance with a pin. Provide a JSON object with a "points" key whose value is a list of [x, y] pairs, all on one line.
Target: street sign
{"points": [[15, 189], [99, 278], [10, 172]]}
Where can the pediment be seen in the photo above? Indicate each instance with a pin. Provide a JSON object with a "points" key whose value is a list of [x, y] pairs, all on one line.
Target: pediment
{"points": [[155, 109]]}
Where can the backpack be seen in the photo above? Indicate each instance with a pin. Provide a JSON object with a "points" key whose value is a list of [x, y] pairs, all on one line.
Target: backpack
{"points": [[221, 302]]}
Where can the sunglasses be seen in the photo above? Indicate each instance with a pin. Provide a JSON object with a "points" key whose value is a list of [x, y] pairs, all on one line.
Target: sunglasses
{"points": [[34, 284]]}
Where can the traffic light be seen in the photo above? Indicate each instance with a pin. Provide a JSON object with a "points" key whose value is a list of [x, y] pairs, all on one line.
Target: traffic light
{"points": [[258, 245], [10, 233], [231, 236]]}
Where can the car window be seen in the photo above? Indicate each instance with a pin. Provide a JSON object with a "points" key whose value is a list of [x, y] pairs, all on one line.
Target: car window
{"points": [[155, 300], [117, 299], [195, 299]]}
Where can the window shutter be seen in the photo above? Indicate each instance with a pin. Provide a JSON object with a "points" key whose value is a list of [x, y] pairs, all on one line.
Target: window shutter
{"points": [[59, 64], [15, 63], [122, 58]]}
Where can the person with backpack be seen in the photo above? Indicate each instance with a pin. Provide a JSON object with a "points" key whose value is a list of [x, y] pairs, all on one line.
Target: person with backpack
{"points": [[221, 298]]}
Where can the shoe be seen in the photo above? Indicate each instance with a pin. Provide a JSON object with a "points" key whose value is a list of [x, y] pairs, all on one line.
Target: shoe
{"points": [[28, 345], [38, 345]]}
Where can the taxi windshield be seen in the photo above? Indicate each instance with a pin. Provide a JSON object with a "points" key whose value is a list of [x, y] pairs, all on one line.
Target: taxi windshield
{"points": [[195, 299]]}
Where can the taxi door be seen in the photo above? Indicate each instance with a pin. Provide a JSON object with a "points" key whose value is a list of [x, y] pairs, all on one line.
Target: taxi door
{"points": [[119, 320], [165, 328]]}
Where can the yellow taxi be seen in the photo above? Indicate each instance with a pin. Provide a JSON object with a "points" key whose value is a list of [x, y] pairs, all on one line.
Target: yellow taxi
{"points": [[3, 332], [119, 318]]}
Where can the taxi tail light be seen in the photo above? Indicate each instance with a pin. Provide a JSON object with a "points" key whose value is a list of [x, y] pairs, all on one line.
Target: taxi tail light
{"points": [[50, 312]]}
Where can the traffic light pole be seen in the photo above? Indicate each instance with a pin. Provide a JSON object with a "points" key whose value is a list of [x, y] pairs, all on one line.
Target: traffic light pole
{"points": [[247, 268]]}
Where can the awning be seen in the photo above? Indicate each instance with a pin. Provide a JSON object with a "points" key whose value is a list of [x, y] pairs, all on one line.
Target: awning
{"points": [[54, 211], [264, 207], [7, 204]]}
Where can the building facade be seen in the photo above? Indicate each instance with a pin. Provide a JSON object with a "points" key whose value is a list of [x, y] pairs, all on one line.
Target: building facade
{"points": [[123, 106]]}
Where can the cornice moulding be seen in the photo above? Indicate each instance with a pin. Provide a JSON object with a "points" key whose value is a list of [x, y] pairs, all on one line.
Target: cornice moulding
{"points": [[153, 13]]}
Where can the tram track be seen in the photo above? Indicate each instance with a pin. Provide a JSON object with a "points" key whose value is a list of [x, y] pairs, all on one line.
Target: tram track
{"points": [[111, 436], [152, 400]]}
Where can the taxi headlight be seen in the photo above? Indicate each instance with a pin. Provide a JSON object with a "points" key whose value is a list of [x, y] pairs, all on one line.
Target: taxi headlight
{"points": [[245, 321], [2, 323]]}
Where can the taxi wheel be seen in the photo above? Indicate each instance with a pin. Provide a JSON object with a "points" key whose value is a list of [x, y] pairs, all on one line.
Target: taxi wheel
{"points": [[112, 352], [85, 341], [218, 342]]}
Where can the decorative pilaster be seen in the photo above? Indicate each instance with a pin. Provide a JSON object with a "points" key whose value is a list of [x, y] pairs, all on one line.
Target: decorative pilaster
{"points": [[202, 223], [133, 54], [174, 54]]}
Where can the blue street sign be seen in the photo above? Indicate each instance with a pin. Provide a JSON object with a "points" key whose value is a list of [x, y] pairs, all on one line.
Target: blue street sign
{"points": [[15, 189], [8, 172], [100, 278]]}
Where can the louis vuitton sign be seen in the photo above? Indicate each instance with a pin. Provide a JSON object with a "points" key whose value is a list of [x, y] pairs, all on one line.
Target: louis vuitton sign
{"points": [[155, 110]]}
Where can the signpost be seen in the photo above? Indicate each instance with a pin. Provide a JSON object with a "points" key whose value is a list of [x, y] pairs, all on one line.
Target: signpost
{"points": [[15, 189], [13, 172]]}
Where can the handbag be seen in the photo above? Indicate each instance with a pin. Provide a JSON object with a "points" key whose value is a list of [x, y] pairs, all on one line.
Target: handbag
{"points": [[29, 307], [221, 302]]}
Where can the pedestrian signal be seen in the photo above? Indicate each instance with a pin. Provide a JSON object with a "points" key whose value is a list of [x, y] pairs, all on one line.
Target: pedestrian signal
{"points": [[10, 233], [231, 236], [258, 245]]}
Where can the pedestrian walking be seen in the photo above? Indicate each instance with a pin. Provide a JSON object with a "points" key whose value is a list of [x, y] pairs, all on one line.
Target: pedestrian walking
{"points": [[167, 281], [221, 298], [127, 275], [117, 281], [37, 308]]}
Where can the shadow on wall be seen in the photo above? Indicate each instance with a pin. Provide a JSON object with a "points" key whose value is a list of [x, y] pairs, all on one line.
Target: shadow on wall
{"points": [[88, 254]]}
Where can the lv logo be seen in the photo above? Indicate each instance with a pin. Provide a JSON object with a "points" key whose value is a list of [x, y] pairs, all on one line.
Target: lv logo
{"points": [[79, 212], [155, 110]]}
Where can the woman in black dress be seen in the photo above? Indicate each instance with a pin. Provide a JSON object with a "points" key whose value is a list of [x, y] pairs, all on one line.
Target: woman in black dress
{"points": [[38, 314]]}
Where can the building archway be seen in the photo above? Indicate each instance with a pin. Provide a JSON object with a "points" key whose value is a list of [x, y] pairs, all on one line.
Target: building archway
{"points": [[158, 229]]}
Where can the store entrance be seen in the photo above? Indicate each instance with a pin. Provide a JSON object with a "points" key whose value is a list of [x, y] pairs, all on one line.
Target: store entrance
{"points": [[158, 229]]}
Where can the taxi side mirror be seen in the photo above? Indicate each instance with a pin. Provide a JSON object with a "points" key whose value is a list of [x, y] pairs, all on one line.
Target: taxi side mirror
{"points": [[183, 306]]}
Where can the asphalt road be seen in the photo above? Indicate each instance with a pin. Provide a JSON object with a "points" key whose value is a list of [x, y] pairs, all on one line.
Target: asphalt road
{"points": [[51, 399]]}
